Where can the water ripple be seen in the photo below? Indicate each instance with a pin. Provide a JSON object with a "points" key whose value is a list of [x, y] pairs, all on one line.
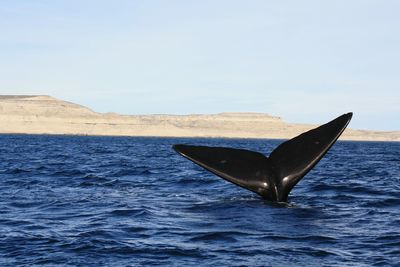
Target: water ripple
{"points": [[120, 201]]}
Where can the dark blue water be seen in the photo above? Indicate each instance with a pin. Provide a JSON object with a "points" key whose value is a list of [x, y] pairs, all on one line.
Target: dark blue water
{"points": [[96, 201]]}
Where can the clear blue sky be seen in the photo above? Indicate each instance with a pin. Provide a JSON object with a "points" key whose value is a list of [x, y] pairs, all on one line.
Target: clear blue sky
{"points": [[306, 61]]}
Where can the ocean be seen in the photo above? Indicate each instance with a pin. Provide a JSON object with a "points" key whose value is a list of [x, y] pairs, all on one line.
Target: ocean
{"points": [[128, 201]]}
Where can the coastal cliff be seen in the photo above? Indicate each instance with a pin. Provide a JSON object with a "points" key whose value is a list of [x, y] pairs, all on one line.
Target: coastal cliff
{"points": [[48, 115]]}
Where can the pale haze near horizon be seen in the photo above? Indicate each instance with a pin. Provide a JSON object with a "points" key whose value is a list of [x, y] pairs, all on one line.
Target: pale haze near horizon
{"points": [[305, 61]]}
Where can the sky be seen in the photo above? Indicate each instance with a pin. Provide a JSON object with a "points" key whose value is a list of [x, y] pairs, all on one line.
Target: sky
{"points": [[305, 61]]}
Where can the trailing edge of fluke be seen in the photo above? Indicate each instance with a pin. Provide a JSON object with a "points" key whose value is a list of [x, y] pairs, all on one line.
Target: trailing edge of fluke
{"points": [[275, 176]]}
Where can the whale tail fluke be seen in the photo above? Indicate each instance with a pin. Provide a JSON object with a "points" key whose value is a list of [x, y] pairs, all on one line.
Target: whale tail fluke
{"points": [[271, 177]]}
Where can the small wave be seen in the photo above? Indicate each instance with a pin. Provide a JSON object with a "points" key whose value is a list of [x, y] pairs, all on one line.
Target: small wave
{"points": [[17, 171], [348, 188], [99, 182], [131, 172], [195, 180], [157, 251], [16, 222], [379, 203], [389, 237], [135, 229], [313, 238], [69, 173], [98, 233], [310, 251], [216, 236], [131, 213], [26, 204]]}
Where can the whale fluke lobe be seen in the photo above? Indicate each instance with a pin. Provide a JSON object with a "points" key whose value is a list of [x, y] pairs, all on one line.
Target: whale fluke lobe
{"points": [[275, 176]]}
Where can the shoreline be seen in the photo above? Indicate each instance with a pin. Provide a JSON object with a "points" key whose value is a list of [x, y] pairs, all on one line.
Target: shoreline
{"points": [[187, 137], [45, 115]]}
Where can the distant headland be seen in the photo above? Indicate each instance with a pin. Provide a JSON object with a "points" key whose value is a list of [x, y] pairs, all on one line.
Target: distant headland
{"points": [[39, 114]]}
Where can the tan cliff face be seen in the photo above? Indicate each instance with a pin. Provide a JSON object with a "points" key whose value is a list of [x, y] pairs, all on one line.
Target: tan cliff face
{"points": [[47, 115]]}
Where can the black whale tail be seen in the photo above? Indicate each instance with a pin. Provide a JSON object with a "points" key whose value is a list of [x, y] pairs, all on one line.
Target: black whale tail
{"points": [[271, 177]]}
